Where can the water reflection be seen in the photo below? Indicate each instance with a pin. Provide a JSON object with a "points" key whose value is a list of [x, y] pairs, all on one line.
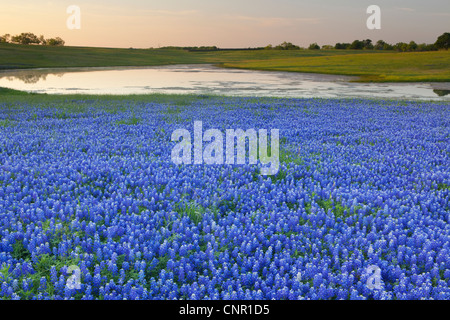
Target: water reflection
{"points": [[441, 93], [30, 76], [33, 77], [208, 79]]}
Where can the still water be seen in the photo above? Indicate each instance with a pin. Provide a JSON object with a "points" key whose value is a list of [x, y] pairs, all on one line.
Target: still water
{"points": [[208, 79]]}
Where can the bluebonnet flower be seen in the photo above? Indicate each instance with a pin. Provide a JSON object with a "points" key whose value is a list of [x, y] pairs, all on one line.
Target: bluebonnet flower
{"points": [[42, 284], [354, 190]]}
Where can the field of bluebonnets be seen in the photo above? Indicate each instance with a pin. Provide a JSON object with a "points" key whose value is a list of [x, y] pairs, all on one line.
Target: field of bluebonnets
{"points": [[90, 182]]}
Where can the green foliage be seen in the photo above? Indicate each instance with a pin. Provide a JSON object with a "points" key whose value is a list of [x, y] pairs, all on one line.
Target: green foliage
{"points": [[62, 114], [287, 156], [228, 204], [26, 38], [7, 123], [362, 44], [367, 65], [202, 48], [443, 186], [335, 207], [130, 122], [4, 273], [155, 271], [19, 251], [443, 41], [370, 65], [42, 269], [314, 46], [342, 46], [190, 209], [281, 175], [55, 42], [6, 91], [173, 110], [285, 46]]}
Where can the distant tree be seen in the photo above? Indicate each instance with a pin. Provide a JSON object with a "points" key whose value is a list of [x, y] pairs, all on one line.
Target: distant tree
{"points": [[268, 47], [412, 46], [388, 46], [208, 48], [287, 46], [401, 46], [314, 46], [379, 45], [5, 38], [42, 40], [327, 47], [431, 47], [443, 41], [31, 38], [422, 47], [25, 38], [367, 44], [55, 41], [382, 45], [357, 45], [342, 46], [178, 48]]}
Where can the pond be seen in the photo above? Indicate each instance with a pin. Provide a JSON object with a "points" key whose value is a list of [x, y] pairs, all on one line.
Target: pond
{"points": [[209, 79]]}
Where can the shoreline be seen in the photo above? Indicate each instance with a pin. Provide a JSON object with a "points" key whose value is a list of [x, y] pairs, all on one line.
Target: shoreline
{"points": [[363, 65], [12, 96], [257, 83], [351, 78]]}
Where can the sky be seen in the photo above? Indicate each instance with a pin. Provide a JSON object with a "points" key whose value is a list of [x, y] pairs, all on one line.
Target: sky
{"points": [[225, 23]]}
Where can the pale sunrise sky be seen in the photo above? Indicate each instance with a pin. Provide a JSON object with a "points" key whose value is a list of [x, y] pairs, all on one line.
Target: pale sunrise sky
{"points": [[226, 23]]}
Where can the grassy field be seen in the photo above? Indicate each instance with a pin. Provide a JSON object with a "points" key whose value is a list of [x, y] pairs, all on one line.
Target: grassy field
{"points": [[370, 66], [374, 67], [70, 103], [10, 98], [83, 178]]}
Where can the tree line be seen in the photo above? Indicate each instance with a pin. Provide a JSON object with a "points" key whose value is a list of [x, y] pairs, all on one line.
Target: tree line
{"points": [[202, 48], [442, 43], [31, 38]]}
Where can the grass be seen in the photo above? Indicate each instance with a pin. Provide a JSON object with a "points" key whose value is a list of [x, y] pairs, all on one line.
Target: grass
{"points": [[66, 104], [7, 91], [369, 66], [190, 209], [6, 123], [42, 267], [372, 67], [131, 121], [443, 186]]}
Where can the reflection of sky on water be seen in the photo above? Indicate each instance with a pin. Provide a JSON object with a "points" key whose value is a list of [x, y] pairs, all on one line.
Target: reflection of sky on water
{"points": [[212, 80]]}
